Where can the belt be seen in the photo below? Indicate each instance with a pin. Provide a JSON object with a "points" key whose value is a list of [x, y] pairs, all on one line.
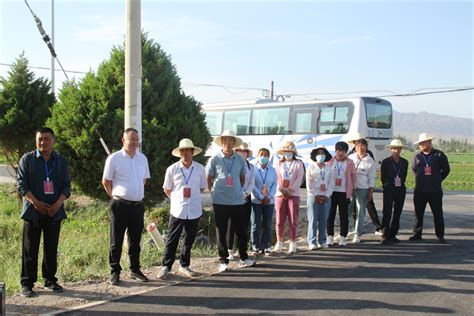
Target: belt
{"points": [[119, 199]]}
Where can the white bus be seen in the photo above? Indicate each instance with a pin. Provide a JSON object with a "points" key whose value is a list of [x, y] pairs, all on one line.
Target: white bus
{"points": [[267, 123]]}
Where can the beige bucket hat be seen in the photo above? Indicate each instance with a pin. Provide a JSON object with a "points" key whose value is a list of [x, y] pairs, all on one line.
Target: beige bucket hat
{"points": [[228, 133], [423, 137], [245, 147], [186, 143], [351, 138], [396, 143], [287, 146]]}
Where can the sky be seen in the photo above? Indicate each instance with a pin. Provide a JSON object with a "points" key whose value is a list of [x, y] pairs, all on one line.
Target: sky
{"points": [[309, 49]]}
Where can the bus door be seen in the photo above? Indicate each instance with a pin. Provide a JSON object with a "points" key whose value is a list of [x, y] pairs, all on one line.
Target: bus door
{"points": [[304, 129]]}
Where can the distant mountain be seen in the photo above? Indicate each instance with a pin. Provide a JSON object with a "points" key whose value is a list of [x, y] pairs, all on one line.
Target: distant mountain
{"points": [[410, 125]]}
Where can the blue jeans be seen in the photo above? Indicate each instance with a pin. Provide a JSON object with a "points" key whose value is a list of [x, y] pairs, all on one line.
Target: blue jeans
{"points": [[262, 215], [317, 218], [360, 199]]}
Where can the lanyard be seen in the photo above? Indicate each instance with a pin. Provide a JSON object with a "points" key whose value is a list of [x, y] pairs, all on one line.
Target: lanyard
{"points": [[339, 167], [397, 170], [227, 167], [189, 177], [426, 161], [48, 172], [266, 173], [287, 170]]}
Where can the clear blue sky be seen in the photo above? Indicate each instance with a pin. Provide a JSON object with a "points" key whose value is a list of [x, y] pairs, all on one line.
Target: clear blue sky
{"points": [[304, 47]]}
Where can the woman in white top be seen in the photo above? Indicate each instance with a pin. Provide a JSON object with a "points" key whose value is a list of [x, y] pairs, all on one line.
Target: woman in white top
{"points": [[320, 185], [363, 186]]}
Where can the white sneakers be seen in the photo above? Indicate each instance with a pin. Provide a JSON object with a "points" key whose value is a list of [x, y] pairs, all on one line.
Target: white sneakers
{"points": [[223, 267], [293, 247], [187, 271], [278, 246], [312, 247], [323, 246], [246, 263], [342, 241], [330, 240], [356, 239], [231, 255], [163, 273]]}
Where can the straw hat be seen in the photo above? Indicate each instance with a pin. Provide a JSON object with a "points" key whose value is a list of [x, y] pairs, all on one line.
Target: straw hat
{"points": [[228, 133], [353, 137], [287, 146], [186, 143], [396, 143], [245, 147], [423, 137]]}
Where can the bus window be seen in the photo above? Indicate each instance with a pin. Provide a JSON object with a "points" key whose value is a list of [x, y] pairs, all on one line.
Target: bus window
{"points": [[379, 115], [334, 120], [270, 121], [303, 122], [214, 122], [238, 121]]}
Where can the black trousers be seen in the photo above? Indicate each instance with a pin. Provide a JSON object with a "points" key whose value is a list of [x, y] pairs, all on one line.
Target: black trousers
{"points": [[222, 213], [231, 229], [175, 228], [124, 216], [31, 241], [435, 200], [393, 199], [338, 200]]}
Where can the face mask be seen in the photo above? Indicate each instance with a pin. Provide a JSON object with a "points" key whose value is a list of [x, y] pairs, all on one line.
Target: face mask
{"points": [[320, 158], [288, 155], [263, 160]]}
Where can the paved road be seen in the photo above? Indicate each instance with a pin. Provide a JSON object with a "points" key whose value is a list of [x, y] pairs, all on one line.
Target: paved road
{"points": [[420, 278], [5, 174]]}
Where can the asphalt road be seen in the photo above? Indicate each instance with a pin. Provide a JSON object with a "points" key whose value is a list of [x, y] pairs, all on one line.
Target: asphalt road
{"points": [[411, 277]]}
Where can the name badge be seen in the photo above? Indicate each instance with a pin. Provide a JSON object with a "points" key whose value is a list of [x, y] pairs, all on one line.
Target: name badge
{"points": [[286, 183], [427, 171], [265, 190], [48, 187], [338, 182], [229, 181], [187, 192], [322, 187], [398, 181]]}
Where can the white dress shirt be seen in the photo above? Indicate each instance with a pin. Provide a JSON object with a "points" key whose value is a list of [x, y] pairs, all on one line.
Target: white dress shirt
{"points": [[127, 174], [175, 180]]}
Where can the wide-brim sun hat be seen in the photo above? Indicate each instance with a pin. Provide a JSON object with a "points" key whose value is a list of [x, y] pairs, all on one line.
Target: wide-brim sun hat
{"points": [[312, 155], [423, 137], [395, 143], [287, 146], [245, 147], [186, 143], [351, 138], [228, 133]]}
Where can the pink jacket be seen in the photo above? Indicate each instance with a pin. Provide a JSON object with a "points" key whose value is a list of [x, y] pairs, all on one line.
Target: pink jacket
{"points": [[297, 175], [350, 175]]}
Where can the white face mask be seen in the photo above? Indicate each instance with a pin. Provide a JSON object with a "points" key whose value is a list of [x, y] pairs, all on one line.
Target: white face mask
{"points": [[288, 155], [320, 158]]}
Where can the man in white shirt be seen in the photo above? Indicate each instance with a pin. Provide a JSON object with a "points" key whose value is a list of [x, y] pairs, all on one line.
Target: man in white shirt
{"points": [[124, 177], [185, 180]]}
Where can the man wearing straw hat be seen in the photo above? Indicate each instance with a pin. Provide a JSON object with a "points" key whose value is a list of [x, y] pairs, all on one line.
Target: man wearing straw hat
{"points": [[393, 175], [184, 182], [430, 167], [225, 179]]}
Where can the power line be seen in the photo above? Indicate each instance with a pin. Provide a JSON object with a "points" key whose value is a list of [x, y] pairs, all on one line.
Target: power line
{"points": [[48, 68]]}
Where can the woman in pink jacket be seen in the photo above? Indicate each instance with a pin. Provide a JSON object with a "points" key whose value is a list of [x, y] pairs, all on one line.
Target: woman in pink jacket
{"points": [[290, 173], [344, 174]]}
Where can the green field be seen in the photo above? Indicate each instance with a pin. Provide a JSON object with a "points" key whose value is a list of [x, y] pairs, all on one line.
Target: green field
{"points": [[461, 177]]}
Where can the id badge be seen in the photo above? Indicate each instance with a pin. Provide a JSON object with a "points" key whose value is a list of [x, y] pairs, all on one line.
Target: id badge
{"points": [[286, 183], [322, 187], [186, 192], [338, 182], [48, 187], [229, 181], [398, 181], [427, 171], [265, 190]]}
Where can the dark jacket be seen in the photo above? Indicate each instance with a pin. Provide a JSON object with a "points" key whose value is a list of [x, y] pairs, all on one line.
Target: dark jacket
{"points": [[389, 169], [439, 164]]}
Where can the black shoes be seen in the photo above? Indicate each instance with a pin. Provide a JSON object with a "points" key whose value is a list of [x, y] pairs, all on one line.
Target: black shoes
{"points": [[414, 238], [442, 240], [27, 291], [385, 242], [395, 240], [56, 288], [138, 275], [114, 278]]}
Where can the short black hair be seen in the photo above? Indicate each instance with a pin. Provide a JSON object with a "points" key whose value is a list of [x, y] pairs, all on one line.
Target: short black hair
{"points": [[342, 146], [43, 130], [130, 129]]}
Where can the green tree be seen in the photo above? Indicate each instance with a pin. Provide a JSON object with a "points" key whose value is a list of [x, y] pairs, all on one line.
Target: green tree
{"points": [[24, 107], [97, 102]]}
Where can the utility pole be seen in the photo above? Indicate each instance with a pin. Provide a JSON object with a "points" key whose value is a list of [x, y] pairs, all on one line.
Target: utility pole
{"points": [[52, 42], [271, 91], [133, 67]]}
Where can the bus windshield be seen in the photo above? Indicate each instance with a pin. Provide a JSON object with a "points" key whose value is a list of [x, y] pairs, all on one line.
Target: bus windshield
{"points": [[379, 115]]}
